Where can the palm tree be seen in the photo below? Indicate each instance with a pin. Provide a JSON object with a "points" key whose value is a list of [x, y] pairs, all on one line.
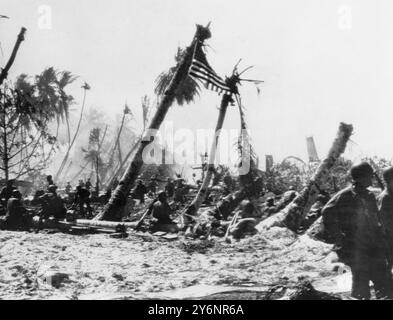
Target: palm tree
{"points": [[193, 208], [146, 108], [172, 90], [6, 69], [246, 179], [30, 108], [85, 88]]}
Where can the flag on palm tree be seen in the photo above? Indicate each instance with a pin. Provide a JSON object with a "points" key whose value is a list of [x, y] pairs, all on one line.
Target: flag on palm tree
{"points": [[202, 71]]}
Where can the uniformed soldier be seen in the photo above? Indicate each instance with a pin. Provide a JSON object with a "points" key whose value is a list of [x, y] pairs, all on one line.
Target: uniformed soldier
{"points": [[351, 222]]}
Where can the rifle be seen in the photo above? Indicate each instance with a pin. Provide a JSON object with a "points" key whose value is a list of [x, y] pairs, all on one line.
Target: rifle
{"points": [[145, 214]]}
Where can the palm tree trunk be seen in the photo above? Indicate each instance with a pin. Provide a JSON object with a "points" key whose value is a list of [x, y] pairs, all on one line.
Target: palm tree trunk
{"points": [[63, 163], [4, 72], [113, 209], [292, 216], [122, 165], [193, 208], [117, 143]]}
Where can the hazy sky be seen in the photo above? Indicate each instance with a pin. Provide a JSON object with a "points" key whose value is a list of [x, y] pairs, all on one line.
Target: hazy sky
{"points": [[322, 61]]}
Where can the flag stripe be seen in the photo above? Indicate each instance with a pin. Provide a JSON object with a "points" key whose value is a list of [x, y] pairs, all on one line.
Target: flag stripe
{"points": [[207, 73], [201, 75], [201, 70]]}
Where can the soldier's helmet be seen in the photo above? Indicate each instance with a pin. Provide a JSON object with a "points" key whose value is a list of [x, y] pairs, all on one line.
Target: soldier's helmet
{"points": [[388, 174], [162, 196], [361, 170], [16, 194], [52, 188]]}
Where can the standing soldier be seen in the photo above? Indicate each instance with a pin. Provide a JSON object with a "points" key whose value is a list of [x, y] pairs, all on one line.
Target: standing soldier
{"points": [[140, 191], [179, 191], [351, 222], [385, 203], [82, 198], [152, 187]]}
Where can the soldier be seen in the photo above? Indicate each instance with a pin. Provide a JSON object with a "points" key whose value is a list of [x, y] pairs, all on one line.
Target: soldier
{"points": [[385, 204], [179, 191], [49, 181], [246, 224], [161, 213], [140, 191], [88, 184], [169, 188], [68, 188], [269, 207], [228, 182], [52, 205], [82, 198], [6, 192], [351, 221], [17, 217], [152, 186]]}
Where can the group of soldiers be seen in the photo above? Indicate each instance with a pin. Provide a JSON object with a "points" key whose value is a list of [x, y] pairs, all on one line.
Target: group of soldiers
{"points": [[52, 205], [175, 189], [359, 224]]}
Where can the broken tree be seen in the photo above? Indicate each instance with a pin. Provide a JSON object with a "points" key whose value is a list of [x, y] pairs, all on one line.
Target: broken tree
{"points": [[292, 216], [193, 208], [116, 204]]}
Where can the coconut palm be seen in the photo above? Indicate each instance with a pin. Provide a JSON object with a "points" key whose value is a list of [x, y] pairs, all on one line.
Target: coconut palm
{"points": [[85, 88], [28, 108], [247, 152], [170, 91]]}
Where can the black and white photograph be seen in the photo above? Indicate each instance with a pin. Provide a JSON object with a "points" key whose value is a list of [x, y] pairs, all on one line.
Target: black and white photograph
{"points": [[213, 152]]}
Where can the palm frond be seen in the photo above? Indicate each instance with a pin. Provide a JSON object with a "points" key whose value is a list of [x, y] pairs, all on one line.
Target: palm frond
{"points": [[187, 89]]}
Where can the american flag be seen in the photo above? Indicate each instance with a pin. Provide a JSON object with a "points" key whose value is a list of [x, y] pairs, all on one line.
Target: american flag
{"points": [[202, 71]]}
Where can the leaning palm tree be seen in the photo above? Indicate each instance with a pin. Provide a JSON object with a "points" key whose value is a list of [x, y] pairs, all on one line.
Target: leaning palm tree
{"points": [[244, 146], [172, 90], [227, 98]]}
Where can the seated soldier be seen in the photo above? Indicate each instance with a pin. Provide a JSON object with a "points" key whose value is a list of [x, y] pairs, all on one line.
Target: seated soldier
{"points": [[17, 217], [161, 213], [52, 205], [269, 208], [6, 192], [246, 224], [82, 198], [169, 188]]}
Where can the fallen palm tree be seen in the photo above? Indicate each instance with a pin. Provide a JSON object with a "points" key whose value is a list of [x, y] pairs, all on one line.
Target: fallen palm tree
{"points": [[292, 216]]}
